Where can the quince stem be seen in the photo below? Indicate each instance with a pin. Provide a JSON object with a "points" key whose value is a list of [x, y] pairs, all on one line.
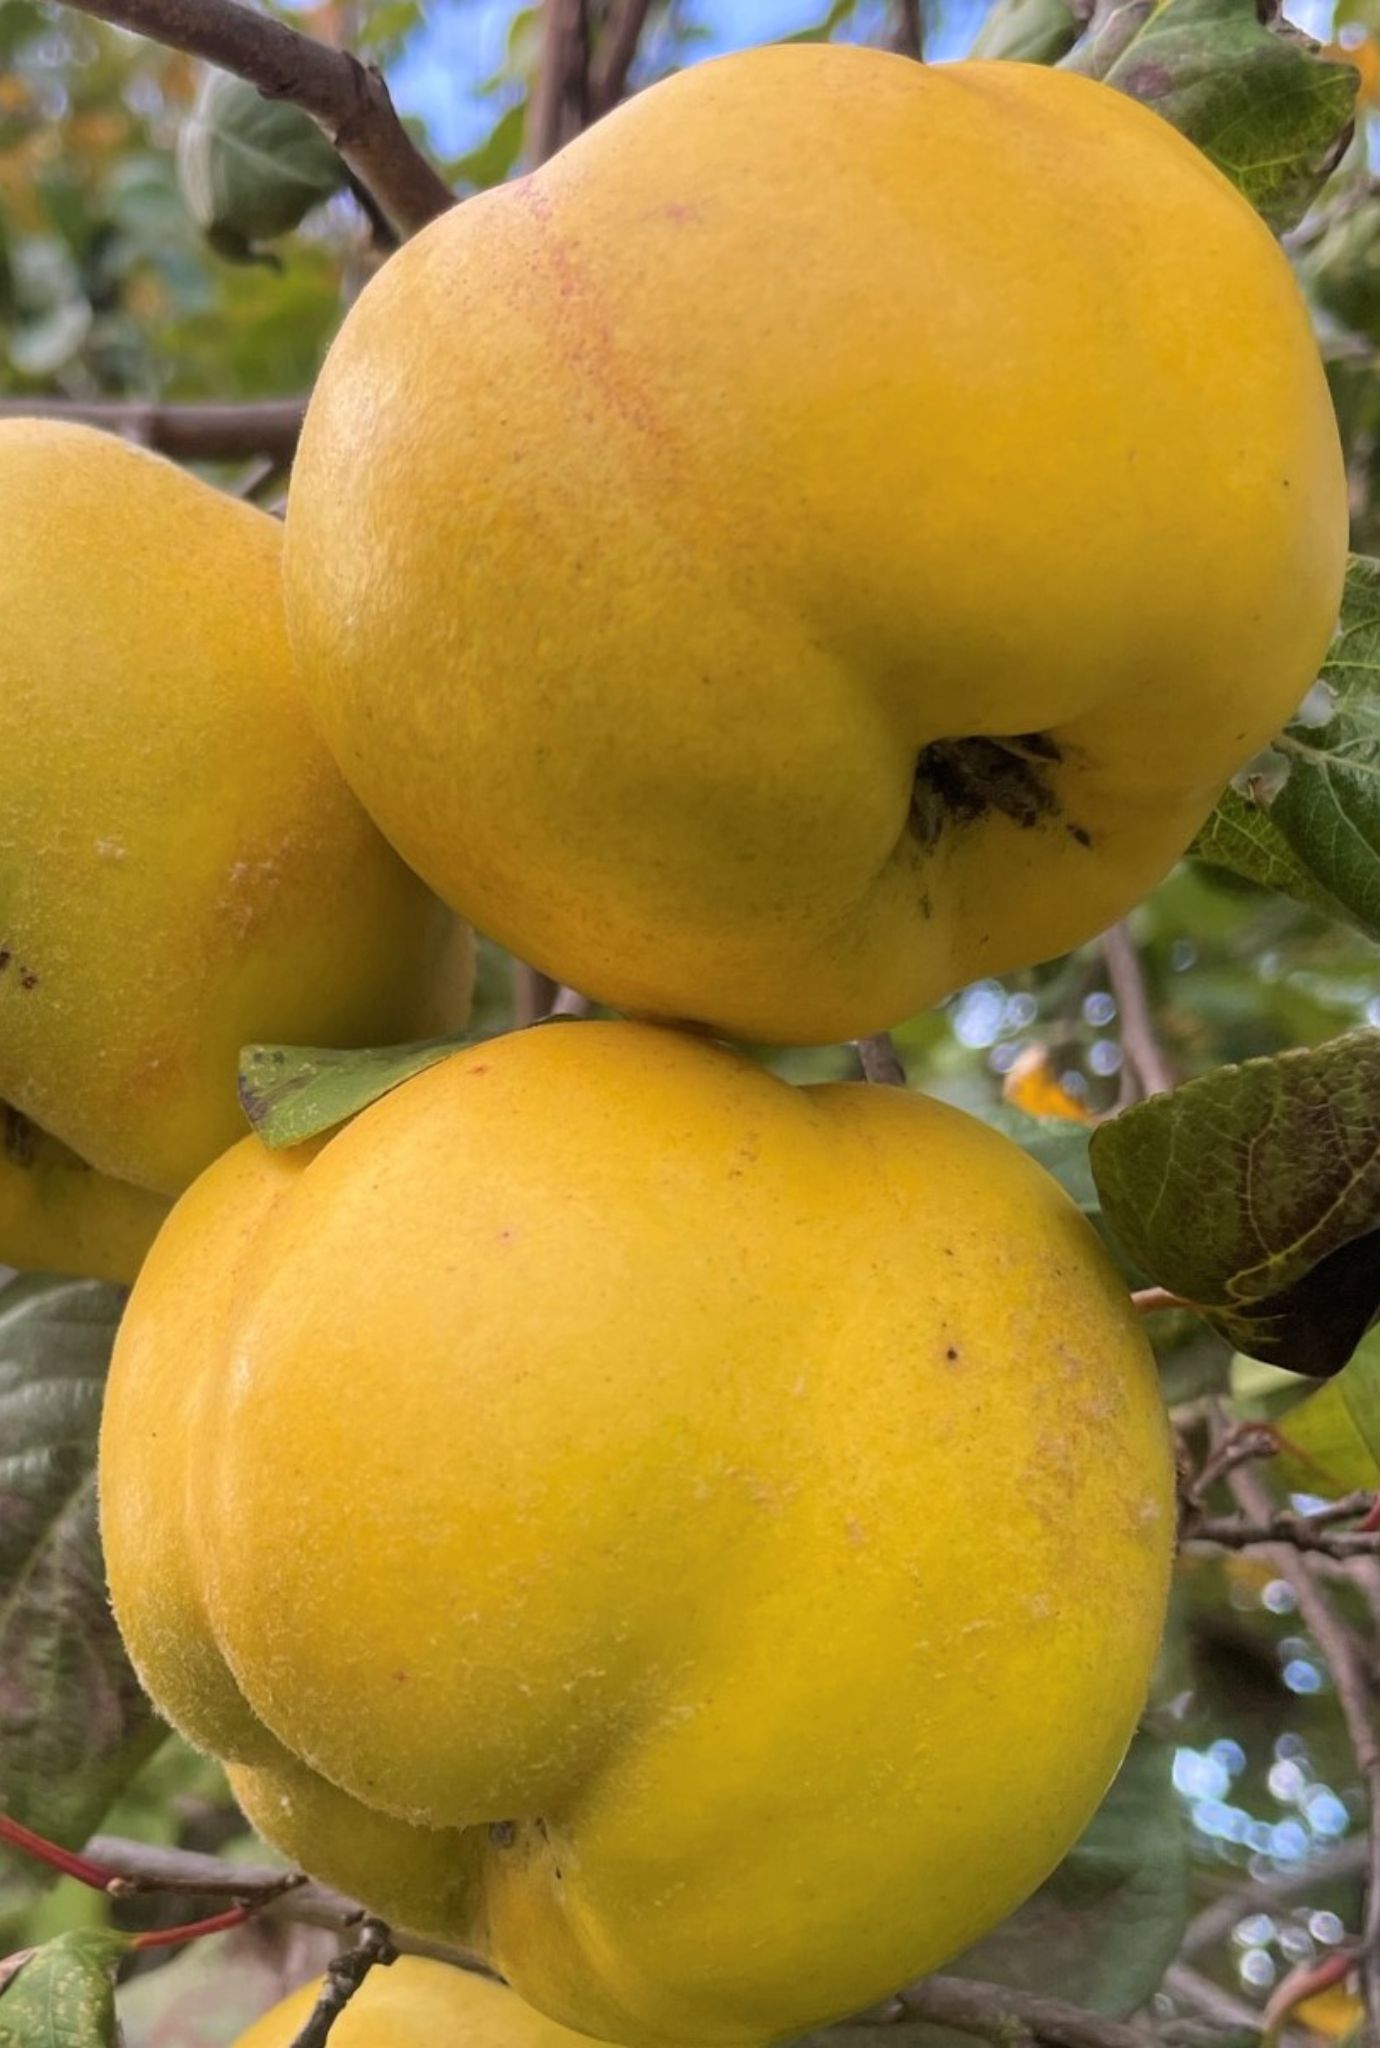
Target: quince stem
{"points": [[115, 1885], [192, 1930], [57, 1858]]}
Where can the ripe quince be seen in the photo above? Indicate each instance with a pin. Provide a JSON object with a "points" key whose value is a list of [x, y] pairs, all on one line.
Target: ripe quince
{"points": [[418, 2003], [826, 536], [698, 1542], [57, 1214], [181, 867]]}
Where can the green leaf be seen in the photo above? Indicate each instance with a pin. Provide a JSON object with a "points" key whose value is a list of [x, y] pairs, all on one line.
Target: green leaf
{"points": [[491, 161], [74, 1725], [1330, 1440], [1318, 837], [1341, 265], [1027, 31], [1258, 98], [1102, 1930], [1241, 837], [294, 1092], [19, 20], [1359, 1385], [1329, 808], [40, 347], [1254, 1192], [1324, 1450], [834, 18], [250, 168], [63, 1995], [386, 26]]}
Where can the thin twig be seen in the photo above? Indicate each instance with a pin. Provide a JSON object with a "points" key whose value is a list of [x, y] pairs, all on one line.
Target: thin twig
{"points": [[1312, 1532], [615, 54], [880, 1060], [1223, 2008], [1363, 1575], [1268, 1894], [263, 474], [560, 102], [66, 1861], [906, 35], [145, 1867], [99, 1876], [534, 994], [193, 1930], [1140, 1046], [188, 433], [280, 1895], [1306, 1982], [1346, 1660], [997, 2014], [1242, 1444], [346, 98], [344, 1975]]}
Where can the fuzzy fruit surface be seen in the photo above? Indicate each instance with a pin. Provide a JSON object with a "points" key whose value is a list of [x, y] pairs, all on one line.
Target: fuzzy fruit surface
{"points": [[417, 2003], [826, 536], [58, 1215], [181, 867], [699, 1542]]}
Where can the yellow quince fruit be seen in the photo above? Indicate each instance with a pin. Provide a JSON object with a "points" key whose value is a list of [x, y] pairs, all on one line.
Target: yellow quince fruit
{"points": [[182, 868], [827, 535], [417, 2003], [57, 1214], [697, 1542]]}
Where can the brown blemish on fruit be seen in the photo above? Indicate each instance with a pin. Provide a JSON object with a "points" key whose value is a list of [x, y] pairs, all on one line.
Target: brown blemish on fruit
{"points": [[20, 1137]]}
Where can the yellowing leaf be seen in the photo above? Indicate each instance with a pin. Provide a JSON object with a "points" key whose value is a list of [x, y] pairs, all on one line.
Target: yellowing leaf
{"points": [[1033, 1086], [1366, 58], [1333, 2013]]}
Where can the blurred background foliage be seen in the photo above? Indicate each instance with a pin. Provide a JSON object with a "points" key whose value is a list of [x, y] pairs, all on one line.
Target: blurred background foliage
{"points": [[127, 272]]}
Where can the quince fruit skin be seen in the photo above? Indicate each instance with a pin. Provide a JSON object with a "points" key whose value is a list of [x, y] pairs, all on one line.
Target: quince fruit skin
{"points": [[696, 1542], [826, 536], [182, 869], [418, 2003], [58, 1215]]}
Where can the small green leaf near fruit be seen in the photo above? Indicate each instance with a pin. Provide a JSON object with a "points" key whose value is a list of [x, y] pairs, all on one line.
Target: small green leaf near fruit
{"points": [[291, 1093], [63, 1994], [249, 167], [75, 1724], [1254, 1192], [1317, 836], [1260, 100]]}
